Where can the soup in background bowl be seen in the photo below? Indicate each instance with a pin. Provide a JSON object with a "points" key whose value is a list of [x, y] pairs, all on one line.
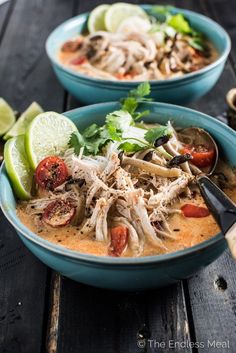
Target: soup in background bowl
{"points": [[183, 89]]}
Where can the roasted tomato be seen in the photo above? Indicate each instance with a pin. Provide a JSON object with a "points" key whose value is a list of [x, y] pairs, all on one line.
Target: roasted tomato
{"points": [[71, 46], [51, 173], [190, 210], [119, 240], [78, 61], [202, 156], [58, 213]]}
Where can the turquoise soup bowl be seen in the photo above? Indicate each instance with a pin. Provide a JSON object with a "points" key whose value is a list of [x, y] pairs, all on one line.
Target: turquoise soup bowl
{"points": [[127, 273], [179, 90]]}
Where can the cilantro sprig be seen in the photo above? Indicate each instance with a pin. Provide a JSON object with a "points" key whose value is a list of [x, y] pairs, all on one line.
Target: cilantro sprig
{"points": [[165, 14], [135, 97], [119, 123]]}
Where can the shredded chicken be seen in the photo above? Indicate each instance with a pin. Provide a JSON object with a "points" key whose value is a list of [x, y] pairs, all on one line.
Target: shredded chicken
{"points": [[134, 191], [134, 54]]}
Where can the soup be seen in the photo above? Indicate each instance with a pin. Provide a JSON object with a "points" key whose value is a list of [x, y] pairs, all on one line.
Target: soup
{"points": [[133, 198], [141, 47]]}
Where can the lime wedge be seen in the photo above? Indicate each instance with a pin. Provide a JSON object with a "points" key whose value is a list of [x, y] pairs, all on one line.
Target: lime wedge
{"points": [[119, 12], [18, 168], [24, 120], [7, 117], [96, 18], [47, 135]]}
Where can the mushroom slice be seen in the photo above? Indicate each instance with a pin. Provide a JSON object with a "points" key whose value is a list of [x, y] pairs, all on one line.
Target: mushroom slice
{"points": [[152, 168]]}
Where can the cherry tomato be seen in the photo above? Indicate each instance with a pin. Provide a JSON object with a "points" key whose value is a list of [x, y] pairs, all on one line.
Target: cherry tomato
{"points": [[194, 211], [51, 172], [202, 156], [79, 61], [119, 240], [58, 213], [71, 46]]}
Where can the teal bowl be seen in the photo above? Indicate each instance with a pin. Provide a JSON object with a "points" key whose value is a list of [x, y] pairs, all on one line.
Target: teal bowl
{"points": [[179, 90], [127, 273]]}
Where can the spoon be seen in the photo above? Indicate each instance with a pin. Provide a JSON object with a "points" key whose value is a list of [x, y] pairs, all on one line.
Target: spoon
{"points": [[218, 203]]}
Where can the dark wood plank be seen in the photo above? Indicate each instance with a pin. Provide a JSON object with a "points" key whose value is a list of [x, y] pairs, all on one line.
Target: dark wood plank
{"points": [[223, 11], [214, 103], [95, 320], [213, 302], [26, 76], [212, 291], [22, 292], [168, 320], [4, 17], [24, 66]]}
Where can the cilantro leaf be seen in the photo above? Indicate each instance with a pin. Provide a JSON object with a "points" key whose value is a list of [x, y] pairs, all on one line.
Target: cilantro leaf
{"points": [[197, 43], [92, 145], [139, 115], [136, 96], [91, 131], [130, 104], [141, 91], [152, 134], [76, 141], [161, 12], [179, 23], [94, 137], [112, 133], [119, 119], [130, 147]]}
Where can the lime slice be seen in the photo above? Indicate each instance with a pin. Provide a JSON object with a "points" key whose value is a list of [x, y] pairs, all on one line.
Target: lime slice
{"points": [[24, 120], [119, 12], [7, 117], [131, 24], [18, 167], [47, 135], [96, 18]]}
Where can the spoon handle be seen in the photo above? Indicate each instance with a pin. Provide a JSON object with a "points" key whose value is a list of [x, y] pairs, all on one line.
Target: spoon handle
{"points": [[222, 209]]}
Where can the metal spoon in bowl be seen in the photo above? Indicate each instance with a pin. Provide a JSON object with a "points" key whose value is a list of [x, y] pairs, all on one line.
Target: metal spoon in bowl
{"points": [[218, 203]]}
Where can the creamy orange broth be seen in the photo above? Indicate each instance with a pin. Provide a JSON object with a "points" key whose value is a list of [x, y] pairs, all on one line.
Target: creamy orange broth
{"points": [[65, 59], [188, 232]]}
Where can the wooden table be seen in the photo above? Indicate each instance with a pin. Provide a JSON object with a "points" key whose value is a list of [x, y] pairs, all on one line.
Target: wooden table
{"points": [[41, 311]]}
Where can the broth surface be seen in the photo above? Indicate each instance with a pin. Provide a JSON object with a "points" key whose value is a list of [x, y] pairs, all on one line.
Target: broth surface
{"points": [[188, 232]]}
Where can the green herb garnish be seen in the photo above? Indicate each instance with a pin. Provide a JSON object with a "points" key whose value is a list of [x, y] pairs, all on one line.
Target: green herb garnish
{"points": [[153, 134], [95, 137], [161, 12], [135, 97], [180, 24]]}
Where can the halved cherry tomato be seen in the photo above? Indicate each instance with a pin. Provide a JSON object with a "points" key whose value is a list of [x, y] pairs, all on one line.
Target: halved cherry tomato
{"points": [[58, 213], [79, 61], [190, 210], [119, 240], [71, 46], [51, 172], [202, 156]]}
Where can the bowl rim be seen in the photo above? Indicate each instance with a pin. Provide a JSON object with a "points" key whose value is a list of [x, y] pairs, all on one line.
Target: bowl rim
{"points": [[107, 260], [98, 81]]}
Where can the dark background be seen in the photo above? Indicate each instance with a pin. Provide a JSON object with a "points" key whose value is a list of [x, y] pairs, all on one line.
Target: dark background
{"points": [[42, 312]]}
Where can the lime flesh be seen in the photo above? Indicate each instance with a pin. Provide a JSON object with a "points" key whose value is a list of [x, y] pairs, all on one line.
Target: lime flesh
{"points": [[96, 18], [47, 135], [7, 117], [24, 120], [18, 168], [119, 11]]}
